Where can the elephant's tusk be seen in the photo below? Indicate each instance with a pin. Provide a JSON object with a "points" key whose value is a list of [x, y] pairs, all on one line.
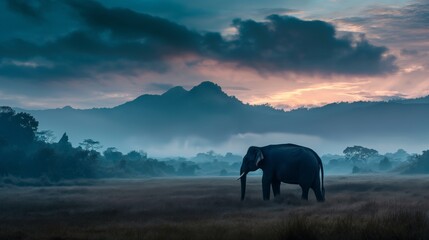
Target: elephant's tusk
{"points": [[241, 176]]}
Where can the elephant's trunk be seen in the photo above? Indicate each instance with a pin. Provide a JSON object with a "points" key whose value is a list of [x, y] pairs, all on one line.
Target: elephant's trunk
{"points": [[243, 184]]}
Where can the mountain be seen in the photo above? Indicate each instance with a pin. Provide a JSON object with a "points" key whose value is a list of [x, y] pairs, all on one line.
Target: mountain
{"points": [[204, 112], [210, 117]]}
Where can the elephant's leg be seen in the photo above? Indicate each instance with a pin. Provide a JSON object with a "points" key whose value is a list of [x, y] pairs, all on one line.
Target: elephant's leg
{"points": [[305, 183], [317, 190], [266, 182], [276, 188], [305, 189]]}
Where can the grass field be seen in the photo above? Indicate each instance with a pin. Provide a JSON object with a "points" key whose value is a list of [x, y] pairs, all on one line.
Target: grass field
{"points": [[356, 207]]}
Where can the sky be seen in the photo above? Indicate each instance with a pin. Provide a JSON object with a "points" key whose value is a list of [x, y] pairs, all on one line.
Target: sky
{"points": [[289, 53]]}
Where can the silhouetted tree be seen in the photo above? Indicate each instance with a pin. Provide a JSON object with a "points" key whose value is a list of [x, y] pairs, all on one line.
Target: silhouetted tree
{"points": [[136, 156], [17, 129], [122, 164], [24, 152], [17, 135], [112, 154], [46, 136], [359, 154], [64, 143], [64, 139], [45, 163], [89, 144]]}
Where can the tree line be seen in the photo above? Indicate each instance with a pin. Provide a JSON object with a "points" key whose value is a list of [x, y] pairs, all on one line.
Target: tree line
{"points": [[29, 153], [359, 159]]}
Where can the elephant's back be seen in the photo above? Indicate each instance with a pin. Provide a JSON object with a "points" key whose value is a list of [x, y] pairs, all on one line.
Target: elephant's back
{"points": [[291, 154], [292, 162], [288, 149]]}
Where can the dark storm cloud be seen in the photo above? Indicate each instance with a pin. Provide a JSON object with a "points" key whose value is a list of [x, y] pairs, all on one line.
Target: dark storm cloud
{"points": [[285, 43], [77, 54], [32, 9], [125, 23], [110, 40], [122, 41]]}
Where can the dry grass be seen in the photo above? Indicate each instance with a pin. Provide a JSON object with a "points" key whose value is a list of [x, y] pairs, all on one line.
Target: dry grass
{"points": [[357, 207]]}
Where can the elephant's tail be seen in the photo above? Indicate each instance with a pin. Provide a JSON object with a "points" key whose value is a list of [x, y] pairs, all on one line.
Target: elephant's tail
{"points": [[322, 172], [323, 181]]}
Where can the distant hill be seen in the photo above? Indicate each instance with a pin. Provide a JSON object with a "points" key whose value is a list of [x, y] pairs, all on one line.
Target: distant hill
{"points": [[205, 112]]}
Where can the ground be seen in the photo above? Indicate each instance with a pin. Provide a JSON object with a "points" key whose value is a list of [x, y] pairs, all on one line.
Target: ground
{"points": [[356, 207]]}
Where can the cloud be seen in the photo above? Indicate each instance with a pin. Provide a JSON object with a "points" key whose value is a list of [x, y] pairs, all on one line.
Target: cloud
{"points": [[78, 54], [115, 40], [285, 43], [409, 52], [125, 42], [124, 23], [32, 9], [396, 26]]}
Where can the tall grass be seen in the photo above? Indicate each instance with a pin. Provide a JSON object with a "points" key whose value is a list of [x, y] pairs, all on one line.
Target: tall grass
{"points": [[372, 207]]}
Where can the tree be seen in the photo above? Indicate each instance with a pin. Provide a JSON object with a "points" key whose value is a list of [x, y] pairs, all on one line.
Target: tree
{"points": [[89, 144], [24, 152], [26, 121], [385, 164], [399, 156], [112, 154], [359, 154], [6, 112], [46, 136], [17, 129], [45, 162], [419, 163], [64, 139], [136, 156], [64, 142]]}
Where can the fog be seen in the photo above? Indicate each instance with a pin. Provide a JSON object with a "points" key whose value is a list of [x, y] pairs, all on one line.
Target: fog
{"points": [[238, 144]]}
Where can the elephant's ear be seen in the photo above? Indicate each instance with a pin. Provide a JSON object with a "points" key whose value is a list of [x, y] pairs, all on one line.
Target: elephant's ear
{"points": [[259, 157]]}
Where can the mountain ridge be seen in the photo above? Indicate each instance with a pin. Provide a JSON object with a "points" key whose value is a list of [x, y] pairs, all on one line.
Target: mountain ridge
{"points": [[207, 113], [210, 88]]}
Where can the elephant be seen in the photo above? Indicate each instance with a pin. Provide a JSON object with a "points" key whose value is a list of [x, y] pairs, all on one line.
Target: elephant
{"points": [[288, 163]]}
